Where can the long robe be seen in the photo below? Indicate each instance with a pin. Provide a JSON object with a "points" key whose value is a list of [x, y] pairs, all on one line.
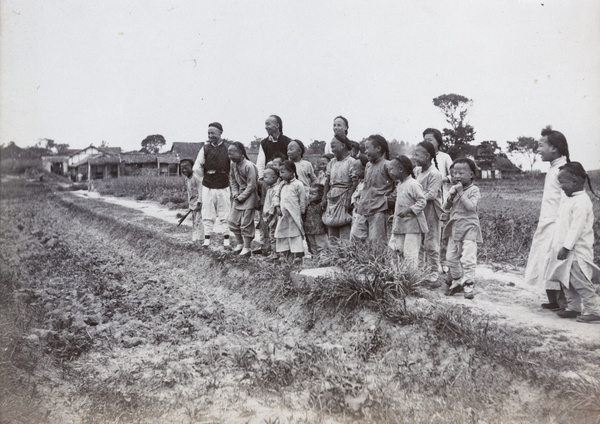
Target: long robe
{"points": [[291, 198], [542, 238], [573, 231]]}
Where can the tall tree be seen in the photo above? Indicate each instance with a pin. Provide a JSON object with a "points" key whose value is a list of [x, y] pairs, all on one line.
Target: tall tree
{"points": [[153, 143], [455, 108], [526, 149], [486, 154]]}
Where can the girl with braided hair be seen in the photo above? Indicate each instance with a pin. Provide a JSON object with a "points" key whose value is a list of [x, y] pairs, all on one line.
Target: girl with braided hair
{"points": [[571, 261], [409, 221], [430, 179]]}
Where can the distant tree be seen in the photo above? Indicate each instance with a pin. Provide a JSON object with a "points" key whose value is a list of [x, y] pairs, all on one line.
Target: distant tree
{"points": [[397, 148], [317, 147], [455, 108], [486, 154], [153, 143], [526, 148]]}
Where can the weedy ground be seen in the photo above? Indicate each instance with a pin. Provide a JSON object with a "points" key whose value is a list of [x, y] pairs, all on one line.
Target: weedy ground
{"points": [[108, 315]]}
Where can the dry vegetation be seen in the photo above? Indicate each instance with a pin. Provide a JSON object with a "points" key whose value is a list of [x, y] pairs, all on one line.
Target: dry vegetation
{"points": [[109, 316]]}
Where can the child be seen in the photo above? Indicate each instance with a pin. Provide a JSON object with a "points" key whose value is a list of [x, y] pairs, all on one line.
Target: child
{"points": [[304, 169], [444, 161], [431, 182], [322, 168], [552, 148], [462, 229], [316, 233], [290, 204], [272, 183], [371, 219], [243, 180], [409, 221], [358, 170], [194, 193], [571, 262]]}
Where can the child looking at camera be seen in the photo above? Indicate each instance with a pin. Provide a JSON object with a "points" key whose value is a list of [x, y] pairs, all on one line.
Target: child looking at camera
{"points": [[462, 229]]}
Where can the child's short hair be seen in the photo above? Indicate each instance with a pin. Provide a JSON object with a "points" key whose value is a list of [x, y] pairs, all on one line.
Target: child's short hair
{"points": [[469, 163], [238, 145], [290, 166], [301, 145], [273, 169], [406, 164], [557, 140], [184, 162], [328, 156], [429, 149], [320, 188], [280, 155], [381, 142], [576, 169], [436, 134]]}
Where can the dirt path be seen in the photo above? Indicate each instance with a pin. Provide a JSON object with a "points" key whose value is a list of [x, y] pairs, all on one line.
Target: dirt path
{"points": [[138, 324], [500, 293]]}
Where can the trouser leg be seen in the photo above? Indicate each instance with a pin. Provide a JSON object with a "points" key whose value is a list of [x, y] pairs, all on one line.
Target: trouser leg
{"points": [[453, 253]]}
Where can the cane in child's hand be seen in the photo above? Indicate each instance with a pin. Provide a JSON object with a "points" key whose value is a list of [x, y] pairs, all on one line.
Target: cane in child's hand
{"points": [[184, 217]]}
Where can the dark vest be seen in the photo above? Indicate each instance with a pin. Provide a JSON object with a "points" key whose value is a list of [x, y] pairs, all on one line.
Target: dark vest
{"points": [[216, 166], [271, 148]]}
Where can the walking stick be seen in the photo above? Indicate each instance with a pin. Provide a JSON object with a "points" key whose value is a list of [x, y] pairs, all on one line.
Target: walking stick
{"points": [[184, 217]]}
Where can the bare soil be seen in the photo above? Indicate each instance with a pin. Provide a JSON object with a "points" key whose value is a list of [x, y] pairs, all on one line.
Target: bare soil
{"points": [[111, 314]]}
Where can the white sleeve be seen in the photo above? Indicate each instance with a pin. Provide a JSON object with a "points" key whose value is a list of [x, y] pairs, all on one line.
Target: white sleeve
{"points": [[198, 167], [260, 162], [328, 147]]}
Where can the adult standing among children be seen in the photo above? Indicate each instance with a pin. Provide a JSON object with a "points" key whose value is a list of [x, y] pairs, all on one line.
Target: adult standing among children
{"points": [[339, 187], [552, 148], [371, 219], [443, 159], [275, 142], [212, 168], [340, 127]]}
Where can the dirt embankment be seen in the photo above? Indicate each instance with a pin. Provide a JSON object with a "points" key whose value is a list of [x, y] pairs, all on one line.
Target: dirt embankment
{"points": [[119, 318]]}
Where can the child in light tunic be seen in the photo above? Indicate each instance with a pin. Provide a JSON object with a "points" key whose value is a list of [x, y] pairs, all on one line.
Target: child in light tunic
{"points": [[193, 185], [243, 179], [572, 255], [431, 181], [290, 203], [463, 229], [409, 221]]}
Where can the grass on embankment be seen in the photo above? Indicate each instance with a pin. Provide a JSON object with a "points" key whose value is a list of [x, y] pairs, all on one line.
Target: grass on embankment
{"points": [[367, 346]]}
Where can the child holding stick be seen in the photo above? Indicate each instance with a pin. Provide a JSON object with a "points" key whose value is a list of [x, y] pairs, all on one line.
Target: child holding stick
{"points": [[193, 186]]}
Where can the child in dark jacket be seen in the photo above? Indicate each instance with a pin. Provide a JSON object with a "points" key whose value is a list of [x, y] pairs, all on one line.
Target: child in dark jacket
{"points": [[314, 229]]}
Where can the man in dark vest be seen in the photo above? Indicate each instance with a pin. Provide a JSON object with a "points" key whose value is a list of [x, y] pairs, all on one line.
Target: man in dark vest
{"points": [[275, 142], [212, 168]]}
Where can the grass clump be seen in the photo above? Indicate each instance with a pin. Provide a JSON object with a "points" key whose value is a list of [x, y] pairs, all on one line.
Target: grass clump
{"points": [[370, 274]]}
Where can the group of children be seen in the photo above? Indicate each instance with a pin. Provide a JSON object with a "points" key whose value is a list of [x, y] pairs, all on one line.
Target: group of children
{"points": [[428, 200]]}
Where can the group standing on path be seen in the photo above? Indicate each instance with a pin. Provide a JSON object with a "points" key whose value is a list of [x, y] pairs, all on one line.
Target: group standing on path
{"points": [[415, 206]]}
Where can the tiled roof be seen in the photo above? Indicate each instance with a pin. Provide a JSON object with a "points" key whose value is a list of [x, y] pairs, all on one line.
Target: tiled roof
{"points": [[186, 150]]}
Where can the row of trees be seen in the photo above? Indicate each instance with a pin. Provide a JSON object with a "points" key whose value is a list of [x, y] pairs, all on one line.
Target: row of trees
{"points": [[457, 138]]}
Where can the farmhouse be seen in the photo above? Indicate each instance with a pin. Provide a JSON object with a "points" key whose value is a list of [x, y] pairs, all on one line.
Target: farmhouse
{"points": [[94, 163], [138, 163]]}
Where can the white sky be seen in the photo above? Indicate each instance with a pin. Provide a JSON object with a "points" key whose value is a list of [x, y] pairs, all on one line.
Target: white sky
{"points": [[80, 72]]}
